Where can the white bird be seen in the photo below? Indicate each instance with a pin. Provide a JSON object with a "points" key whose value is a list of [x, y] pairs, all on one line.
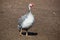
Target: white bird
{"points": [[26, 21]]}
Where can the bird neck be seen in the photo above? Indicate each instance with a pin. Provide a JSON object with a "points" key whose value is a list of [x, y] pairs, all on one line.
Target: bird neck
{"points": [[29, 12], [29, 8]]}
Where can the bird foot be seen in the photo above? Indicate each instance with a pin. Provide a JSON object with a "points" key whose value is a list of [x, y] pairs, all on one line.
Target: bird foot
{"points": [[28, 36], [21, 35]]}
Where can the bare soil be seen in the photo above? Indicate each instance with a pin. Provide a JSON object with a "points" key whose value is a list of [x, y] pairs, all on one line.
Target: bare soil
{"points": [[47, 19]]}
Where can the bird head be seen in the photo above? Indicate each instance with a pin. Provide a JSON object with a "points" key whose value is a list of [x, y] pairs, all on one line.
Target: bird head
{"points": [[31, 5]]}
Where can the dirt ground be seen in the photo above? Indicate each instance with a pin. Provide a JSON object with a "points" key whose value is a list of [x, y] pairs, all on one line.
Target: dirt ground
{"points": [[47, 19]]}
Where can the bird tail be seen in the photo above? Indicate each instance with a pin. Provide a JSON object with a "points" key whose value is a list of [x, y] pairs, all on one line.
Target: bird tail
{"points": [[19, 27]]}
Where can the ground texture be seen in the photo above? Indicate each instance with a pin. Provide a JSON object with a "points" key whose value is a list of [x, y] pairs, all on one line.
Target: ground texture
{"points": [[47, 19]]}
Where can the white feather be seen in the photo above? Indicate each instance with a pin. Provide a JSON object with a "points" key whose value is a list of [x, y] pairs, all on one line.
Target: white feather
{"points": [[28, 21]]}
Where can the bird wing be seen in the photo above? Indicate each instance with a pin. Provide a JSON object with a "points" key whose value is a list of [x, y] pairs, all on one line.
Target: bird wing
{"points": [[20, 20]]}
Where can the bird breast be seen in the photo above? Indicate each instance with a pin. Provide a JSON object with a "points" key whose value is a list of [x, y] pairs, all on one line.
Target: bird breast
{"points": [[28, 21]]}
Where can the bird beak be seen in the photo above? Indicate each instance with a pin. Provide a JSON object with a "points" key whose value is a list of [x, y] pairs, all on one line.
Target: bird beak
{"points": [[33, 4]]}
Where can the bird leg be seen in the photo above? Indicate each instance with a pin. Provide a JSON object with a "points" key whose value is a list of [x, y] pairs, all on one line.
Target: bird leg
{"points": [[26, 32], [21, 32]]}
